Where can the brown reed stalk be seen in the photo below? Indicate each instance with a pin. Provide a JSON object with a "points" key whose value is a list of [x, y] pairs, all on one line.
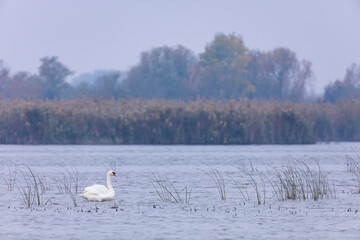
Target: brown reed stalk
{"points": [[218, 179], [166, 190], [299, 181], [353, 166], [10, 179], [69, 181], [30, 188]]}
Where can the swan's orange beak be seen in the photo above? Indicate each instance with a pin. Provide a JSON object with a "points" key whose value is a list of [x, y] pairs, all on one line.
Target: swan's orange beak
{"points": [[114, 174]]}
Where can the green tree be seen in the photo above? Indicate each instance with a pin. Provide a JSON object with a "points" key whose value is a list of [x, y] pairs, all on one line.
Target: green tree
{"points": [[54, 74], [222, 71]]}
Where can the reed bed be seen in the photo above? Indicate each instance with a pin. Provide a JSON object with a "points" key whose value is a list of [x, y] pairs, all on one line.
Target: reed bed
{"points": [[136, 121]]}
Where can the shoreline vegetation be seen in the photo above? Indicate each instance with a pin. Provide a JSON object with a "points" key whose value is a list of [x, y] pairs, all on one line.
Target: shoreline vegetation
{"points": [[139, 121]]}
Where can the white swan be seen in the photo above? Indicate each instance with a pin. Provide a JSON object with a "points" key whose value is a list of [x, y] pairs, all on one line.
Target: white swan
{"points": [[99, 193]]}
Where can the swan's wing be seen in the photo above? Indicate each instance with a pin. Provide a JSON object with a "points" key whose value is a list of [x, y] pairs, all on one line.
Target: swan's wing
{"points": [[96, 189]]}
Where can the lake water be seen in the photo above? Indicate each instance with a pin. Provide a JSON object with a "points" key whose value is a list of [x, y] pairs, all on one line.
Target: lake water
{"points": [[137, 211]]}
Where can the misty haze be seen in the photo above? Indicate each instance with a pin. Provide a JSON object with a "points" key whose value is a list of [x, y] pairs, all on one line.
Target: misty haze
{"points": [[179, 120]]}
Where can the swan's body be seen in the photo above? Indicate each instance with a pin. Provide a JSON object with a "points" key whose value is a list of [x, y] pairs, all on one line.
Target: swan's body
{"points": [[100, 193]]}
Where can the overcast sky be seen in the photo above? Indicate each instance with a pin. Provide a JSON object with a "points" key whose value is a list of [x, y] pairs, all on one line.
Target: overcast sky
{"points": [[89, 35]]}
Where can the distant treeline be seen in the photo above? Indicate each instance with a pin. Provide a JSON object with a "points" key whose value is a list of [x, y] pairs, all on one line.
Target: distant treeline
{"points": [[135, 121], [226, 69]]}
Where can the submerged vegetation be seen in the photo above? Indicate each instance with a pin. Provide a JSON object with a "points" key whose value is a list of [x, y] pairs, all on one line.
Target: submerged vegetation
{"points": [[85, 121]]}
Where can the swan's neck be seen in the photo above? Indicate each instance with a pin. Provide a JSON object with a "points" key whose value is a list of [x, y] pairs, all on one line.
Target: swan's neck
{"points": [[110, 187]]}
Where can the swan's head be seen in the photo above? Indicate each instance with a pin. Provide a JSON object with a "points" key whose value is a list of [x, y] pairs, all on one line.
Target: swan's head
{"points": [[111, 172]]}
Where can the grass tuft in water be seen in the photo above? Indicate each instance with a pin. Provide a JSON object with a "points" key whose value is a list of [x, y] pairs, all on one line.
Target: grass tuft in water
{"points": [[353, 166], [255, 179], [218, 179], [31, 189], [166, 190], [69, 184], [10, 179], [299, 181]]}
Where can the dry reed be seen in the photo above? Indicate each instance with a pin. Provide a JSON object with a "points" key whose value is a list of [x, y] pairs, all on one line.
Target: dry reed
{"points": [[69, 184], [31, 187], [167, 192], [136, 121], [218, 179], [300, 181], [353, 166], [10, 178]]}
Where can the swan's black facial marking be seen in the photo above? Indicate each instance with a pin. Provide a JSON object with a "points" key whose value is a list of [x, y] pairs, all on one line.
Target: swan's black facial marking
{"points": [[114, 174]]}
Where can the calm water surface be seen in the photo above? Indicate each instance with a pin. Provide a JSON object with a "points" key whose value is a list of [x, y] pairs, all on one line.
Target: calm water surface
{"points": [[138, 213]]}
